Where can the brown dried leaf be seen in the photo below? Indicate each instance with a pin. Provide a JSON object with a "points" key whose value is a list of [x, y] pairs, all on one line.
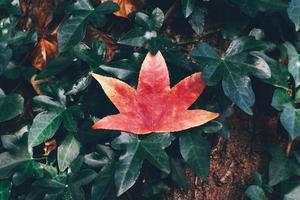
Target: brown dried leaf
{"points": [[43, 15], [126, 7], [49, 147], [109, 41], [45, 49], [36, 83], [39, 14]]}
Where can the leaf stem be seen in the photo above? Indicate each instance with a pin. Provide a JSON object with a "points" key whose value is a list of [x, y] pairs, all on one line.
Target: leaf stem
{"points": [[170, 10], [289, 148], [202, 35]]}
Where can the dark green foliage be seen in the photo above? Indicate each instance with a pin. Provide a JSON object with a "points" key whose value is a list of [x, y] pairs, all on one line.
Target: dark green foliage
{"points": [[258, 190], [10, 106], [237, 44], [195, 151], [234, 67]]}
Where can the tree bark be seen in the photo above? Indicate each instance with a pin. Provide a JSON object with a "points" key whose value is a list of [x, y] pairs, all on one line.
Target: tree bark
{"points": [[234, 161]]}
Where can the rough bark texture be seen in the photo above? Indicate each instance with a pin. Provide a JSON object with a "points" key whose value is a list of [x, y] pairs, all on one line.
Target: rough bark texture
{"points": [[234, 161]]}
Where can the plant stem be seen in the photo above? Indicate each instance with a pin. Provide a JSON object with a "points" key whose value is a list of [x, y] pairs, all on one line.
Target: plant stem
{"points": [[170, 10]]}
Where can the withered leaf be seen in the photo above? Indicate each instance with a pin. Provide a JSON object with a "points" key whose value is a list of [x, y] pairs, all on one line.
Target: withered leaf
{"points": [[49, 147], [126, 7]]}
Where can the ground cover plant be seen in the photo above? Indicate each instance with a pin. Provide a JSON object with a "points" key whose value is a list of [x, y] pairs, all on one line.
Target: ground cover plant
{"points": [[101, 99]]}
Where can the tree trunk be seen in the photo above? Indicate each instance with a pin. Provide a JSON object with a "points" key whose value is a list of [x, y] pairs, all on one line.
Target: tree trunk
{"points": [[234, 161]]}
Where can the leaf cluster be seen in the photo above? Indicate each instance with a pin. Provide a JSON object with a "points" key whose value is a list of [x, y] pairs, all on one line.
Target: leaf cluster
{"points": [[236, 44]]}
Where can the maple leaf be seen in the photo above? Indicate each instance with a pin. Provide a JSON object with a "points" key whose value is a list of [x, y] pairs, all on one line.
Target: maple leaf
{"points": [[126, 7], [153, 106]]}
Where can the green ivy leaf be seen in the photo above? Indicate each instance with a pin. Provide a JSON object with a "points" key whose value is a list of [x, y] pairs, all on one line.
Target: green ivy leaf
{"points": [[44, 126], [157, 19], [178, 174], [279, 73], [281, 99], [129, 165], [128, 168], [124, 140], [212, 127], [197, 20], [294, 69], [155, 191], [207, 56], [255, 192], [72, 31], [136, 37], [10, 106], [5, 56], [122, 69], [240, 60], [239, 90], [153, 149], [7, 26], [103, 183], [82, 5], [93, 56], [56, 66], [5, 189], [82, 177], [294, 13], [47, 102], [69, 121], [252, 7], [147, 29], [258, 179], [75, 192], [290, 120], [96, 160], [188, 7], [16, 154], [27, 170], [47, 183], [195, 151], [246, 44], [291, 50], [294, 62], [67, 152], [9, 162], [262, 69], [279, 167], [293, 194], [151, 22], [107, 7]]}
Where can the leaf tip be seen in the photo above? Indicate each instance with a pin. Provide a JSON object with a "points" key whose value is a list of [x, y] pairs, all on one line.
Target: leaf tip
{"points": [[98, 77]]}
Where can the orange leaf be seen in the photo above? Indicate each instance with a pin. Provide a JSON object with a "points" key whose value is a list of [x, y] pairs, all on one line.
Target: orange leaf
{"points": [[126, 7], [153, 106], [45, 49]]}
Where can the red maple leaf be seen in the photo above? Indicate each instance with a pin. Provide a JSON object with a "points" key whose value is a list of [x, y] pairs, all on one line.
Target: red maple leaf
{"points": [[153, 106]]}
